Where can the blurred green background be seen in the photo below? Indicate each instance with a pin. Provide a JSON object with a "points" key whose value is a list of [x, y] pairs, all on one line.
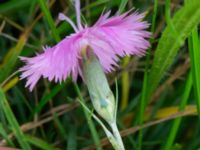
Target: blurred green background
{"points": [[159, 94]]}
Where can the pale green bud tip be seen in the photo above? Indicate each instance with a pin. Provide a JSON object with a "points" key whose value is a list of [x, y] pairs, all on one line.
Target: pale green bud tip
{"points": [[102, 97]]}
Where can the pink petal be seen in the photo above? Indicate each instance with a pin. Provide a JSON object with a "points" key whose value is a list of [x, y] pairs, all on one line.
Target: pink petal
{"points": [[110, 38], [118, 36], [55, 63]]}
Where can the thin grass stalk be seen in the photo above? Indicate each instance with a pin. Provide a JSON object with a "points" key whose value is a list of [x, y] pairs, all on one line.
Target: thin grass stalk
{"points": [[38, 143], [144, 98], [125, 75], [125, 84], [122, 6], [167, 11], [155, 10], [5, 136], [194, 50], [49, 18], [177, 121]]}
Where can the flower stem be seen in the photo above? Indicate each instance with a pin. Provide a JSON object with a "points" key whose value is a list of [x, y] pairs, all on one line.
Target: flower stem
{"points": [[109, 135], [117, 135], [90, 122]]}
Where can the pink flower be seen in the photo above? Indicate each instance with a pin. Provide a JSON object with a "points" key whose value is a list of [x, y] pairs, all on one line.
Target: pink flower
{"points": [[109, 38]]}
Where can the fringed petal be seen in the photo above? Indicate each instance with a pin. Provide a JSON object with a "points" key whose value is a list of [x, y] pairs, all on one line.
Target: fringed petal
{"points": [[109, 38], [55, 63], [118, 36]]}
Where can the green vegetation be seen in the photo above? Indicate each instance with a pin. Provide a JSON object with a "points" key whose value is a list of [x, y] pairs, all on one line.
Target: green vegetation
{"points": [[159, 94]]}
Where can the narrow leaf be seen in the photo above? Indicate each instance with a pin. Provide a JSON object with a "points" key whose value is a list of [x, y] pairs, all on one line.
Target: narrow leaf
{"points": [[183, 23]]}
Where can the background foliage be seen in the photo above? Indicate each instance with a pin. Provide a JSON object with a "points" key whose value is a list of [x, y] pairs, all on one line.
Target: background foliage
{"points": [[159, 95]]}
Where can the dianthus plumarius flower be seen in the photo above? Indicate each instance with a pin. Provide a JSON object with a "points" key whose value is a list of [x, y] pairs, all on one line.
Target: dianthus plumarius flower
{"points": [[109, 39]]}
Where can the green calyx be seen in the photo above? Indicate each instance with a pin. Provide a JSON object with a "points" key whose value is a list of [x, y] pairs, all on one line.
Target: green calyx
{"points": [[102, 97]]}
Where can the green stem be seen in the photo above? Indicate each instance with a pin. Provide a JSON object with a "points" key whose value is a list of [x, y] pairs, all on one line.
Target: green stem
{"points": [[109, 135], [117, 135], [155, 10], [90, 122]]}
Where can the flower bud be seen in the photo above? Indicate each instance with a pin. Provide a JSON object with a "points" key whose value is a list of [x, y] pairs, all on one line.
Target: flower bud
{"points": [[102, 97]]}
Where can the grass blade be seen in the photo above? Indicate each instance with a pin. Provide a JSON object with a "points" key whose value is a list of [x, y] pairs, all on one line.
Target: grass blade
{"points": [[49, 18], [194, 49], [72, 142], [10, 84], [11, 57], [46, 97], [12, 121], [38, 143], [183, 23], [143, 100], [4, 135], [60, 127], [122, 6], [177, 121], [10, 5], [155, 10]]}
